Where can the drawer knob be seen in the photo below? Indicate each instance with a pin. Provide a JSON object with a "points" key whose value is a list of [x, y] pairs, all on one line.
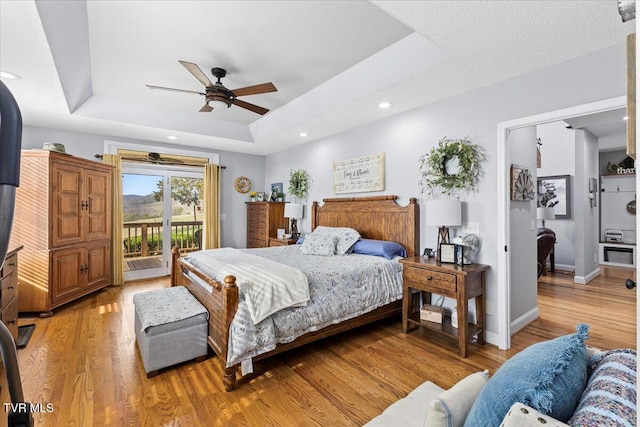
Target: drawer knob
{"points": [[12, 321], [429, 278], [10, 287], [12, 264]]}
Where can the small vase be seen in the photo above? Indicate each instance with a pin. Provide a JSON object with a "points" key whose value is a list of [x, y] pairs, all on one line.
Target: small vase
{"points": [[253, 199]]}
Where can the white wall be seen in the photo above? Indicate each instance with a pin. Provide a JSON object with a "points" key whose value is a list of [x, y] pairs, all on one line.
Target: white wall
{"points": [[522, 235], [617, 142], [587, 218], [232, 203], [559, 158], [407, 136]]}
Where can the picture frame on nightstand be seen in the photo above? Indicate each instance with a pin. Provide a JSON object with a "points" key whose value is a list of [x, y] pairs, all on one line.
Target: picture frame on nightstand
{"points": [[448, 253]]}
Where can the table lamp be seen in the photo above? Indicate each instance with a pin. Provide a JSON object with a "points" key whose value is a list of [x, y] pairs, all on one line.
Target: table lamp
{"points": [[444, 214], [293, 211], [544, 214]]}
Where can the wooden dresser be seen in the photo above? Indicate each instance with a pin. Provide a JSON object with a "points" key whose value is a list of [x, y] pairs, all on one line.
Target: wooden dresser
{"points": [[263, 221], [63, 220], [9, 292]]}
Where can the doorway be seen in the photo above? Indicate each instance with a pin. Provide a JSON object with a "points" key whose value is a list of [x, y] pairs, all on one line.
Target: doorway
{"points": [[504, 237], [162, 208]]}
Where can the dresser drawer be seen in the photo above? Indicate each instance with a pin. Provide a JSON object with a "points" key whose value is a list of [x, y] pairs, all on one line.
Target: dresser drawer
{"points": [[260, 223], [442, 283], [256, 243], [257, 209], [9, 288], [10, 318], [10, 265]]}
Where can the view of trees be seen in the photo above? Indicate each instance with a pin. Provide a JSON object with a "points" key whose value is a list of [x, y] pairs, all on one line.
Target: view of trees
{"points": [[186, 191]]}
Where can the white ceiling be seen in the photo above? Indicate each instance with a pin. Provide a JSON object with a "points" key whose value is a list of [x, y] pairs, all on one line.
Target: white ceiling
{"points": [[84, 64]]}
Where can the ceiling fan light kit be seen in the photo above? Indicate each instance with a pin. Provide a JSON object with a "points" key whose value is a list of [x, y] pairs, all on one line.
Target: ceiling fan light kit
{"points": [[216, 95]]}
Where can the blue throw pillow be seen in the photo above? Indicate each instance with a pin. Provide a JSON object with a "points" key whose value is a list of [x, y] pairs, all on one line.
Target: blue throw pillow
{"points": [[549, 376], [382, 248], [300, 241]]}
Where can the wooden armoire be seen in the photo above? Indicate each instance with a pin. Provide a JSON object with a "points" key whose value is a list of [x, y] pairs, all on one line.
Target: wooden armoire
{"points": [[63, 220]]}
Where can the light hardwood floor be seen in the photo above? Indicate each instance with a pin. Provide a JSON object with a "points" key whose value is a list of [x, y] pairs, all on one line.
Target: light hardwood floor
{"points": [[85, 361]]}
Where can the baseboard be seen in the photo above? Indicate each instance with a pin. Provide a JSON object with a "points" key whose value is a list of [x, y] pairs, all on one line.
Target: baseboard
{"points": [[491, 338], [563, 267], [524, 320], [583, 280]]}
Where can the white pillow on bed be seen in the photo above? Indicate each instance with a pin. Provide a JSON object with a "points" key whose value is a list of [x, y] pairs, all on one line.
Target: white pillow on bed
{"points": [[346, 237], [319, 244]]}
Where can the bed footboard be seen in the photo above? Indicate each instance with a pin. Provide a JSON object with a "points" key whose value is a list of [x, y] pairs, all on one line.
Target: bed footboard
{"points": [[221, 303]]}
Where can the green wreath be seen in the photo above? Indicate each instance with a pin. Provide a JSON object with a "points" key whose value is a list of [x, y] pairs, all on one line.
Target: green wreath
{"points": [[453, 167], [299, 184]]}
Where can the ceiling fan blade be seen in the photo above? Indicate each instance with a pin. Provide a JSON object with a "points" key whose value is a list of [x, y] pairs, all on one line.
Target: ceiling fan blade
{"points": [[250, 107], [174, 90], [255, 89], [197, 73], [206, 109]]}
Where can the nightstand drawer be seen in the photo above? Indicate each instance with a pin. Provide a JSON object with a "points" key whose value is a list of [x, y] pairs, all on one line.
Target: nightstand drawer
{"points": [[10, 264], [436, 282], [9, 288], [10, 318]]}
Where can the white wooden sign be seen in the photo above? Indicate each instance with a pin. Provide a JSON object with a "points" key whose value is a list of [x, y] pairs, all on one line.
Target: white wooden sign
{"points": [[359, 175]]}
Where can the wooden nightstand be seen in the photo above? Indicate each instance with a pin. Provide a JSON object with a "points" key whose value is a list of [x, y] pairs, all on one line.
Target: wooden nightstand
{"points": [[281, 242], [450, 280]]}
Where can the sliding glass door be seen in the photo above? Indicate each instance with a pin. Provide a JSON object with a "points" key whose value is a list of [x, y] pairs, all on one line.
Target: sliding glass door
{"points": [[162, 208]]}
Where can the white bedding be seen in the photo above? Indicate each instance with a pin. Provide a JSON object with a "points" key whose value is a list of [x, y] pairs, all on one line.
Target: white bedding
{"points": [[268, 286]]}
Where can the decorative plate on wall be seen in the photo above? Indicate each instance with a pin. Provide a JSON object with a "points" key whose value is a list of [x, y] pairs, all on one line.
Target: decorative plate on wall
{"points": [[242, 184]]}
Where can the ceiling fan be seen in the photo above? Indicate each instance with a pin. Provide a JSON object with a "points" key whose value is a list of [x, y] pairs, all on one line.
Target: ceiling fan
{"points": [[216, 93]]}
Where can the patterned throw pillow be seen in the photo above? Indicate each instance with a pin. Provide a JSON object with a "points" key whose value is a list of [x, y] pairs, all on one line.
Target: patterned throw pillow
{"points": [[317, 244], [549, 376], [610, 396], [346, 237]]}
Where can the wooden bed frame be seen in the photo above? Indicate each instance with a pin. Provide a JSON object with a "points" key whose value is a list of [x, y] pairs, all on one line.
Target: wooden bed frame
{"points": [[378, 217]]}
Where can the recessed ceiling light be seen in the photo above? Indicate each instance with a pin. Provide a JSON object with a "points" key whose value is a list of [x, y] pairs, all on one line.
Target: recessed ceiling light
{"points": [[303, 134], [625, 118], [9, 76], [385, 104], [172, 137]]}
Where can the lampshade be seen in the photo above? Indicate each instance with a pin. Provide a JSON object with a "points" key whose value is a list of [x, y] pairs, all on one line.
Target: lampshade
{"points": [[545, 213], [444, 213], [293, 210]]}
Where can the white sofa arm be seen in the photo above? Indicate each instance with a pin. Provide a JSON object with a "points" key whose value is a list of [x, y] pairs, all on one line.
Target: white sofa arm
{"points": [[521, 415]]}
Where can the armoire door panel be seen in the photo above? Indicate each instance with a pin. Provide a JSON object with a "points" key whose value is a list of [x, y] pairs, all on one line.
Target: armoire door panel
{"points": [[98, 256], [67, 273], [97, 190], [66, 198]]}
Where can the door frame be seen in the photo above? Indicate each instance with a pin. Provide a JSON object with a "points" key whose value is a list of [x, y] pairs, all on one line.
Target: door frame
{"points": [[503, 163]]}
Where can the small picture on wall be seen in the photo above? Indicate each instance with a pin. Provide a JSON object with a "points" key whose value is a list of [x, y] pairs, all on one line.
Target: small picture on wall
{"points": [[276, 192], [522, 185], [555, 192]]}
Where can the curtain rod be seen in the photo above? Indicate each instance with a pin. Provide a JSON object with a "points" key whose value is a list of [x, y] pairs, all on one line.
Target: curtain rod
{"points": [[100, 156]]}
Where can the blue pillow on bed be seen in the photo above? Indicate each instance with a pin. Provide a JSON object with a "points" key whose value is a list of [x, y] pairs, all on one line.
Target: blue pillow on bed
{"points": [[382, 248], [300, 241]]}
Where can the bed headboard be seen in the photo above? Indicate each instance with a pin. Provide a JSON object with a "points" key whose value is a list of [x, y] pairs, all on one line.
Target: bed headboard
{"points": [[376, 217]]}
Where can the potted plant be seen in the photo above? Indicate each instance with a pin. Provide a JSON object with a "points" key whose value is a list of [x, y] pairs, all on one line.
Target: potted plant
{"points": [[254, 196], [279, 197], [299, 184]]}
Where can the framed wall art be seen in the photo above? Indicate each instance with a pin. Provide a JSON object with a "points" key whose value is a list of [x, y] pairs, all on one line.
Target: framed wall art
{"points": [[359, 175], [522, 184], [555, 192]]}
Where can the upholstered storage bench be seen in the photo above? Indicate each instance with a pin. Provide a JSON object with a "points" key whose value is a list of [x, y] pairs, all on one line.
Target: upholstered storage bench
{"points": [[171, 327]]}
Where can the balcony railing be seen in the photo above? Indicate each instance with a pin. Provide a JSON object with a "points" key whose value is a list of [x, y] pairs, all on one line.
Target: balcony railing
{"points": [[142, 239]]}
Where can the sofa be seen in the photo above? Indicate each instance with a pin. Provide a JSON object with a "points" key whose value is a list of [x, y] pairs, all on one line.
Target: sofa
{"points": [[560, 382]]}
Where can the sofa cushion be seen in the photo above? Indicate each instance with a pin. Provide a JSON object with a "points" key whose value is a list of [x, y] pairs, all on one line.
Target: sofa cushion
{"points": [[549, 376], [521, 415], [610, 396], [451, 407], [409, 411]]}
